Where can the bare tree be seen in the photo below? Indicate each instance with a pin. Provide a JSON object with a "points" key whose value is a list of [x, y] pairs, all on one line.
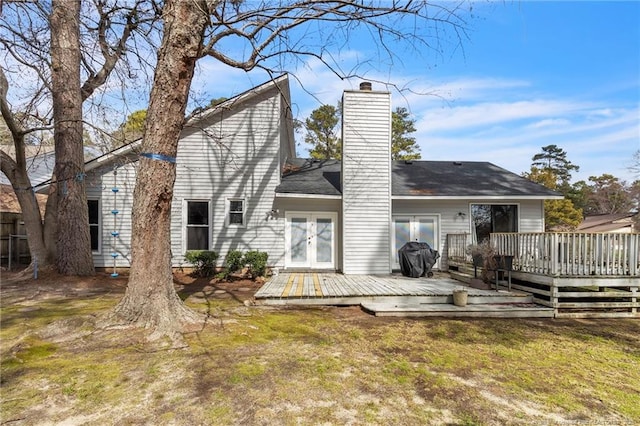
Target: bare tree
{"points": [[635, 164], [272, 33], [68, 49], [150, 299]]}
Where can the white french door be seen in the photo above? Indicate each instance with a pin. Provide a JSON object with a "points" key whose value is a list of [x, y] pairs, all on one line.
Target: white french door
{"points": [[310, 240], [422, 229]]}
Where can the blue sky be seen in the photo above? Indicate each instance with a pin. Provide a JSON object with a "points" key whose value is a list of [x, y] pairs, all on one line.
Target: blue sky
{"points": [[530, 74]]}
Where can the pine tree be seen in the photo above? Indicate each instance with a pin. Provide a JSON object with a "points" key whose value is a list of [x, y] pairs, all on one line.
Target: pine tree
{"points": [[403, 147], [323, 129]]}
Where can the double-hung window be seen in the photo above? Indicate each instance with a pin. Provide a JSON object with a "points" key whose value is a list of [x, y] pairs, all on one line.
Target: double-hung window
{"points": [[236, 212], [94, 224], [197, 224]]}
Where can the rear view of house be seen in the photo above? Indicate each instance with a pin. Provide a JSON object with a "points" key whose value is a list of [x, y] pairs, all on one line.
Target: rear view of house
{"points": [[239, 185]]}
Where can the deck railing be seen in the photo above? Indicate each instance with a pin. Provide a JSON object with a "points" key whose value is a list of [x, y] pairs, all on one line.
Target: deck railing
{"points": [[561, 253]]}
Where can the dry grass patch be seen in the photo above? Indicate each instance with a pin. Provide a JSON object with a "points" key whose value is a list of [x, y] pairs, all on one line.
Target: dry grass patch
{"points": [[330, 366]]}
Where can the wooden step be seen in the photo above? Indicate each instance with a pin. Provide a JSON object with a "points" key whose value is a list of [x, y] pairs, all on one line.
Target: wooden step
{"points": [[489, 310]]}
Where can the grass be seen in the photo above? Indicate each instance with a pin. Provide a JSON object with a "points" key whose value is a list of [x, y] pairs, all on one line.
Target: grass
{"points": [[315, 366]]}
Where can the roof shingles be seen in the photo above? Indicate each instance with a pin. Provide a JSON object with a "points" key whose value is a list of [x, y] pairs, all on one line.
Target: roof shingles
{"points": [[417, 178]]}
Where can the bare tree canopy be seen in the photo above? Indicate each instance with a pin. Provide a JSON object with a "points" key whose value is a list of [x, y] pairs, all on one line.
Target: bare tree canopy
{"points": [[263, 32], [56, 55]]}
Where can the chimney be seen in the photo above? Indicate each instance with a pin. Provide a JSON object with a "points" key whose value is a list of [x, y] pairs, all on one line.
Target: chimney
{"points": [[366, 181]]}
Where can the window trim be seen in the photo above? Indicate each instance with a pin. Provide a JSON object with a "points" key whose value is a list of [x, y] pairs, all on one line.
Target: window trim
{"points": [[227, 212], [185, 220], [98, 225]]}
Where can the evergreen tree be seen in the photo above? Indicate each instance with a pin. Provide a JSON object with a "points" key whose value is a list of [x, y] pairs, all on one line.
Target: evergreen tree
{"points": [[403, 146], [559, 215], [554, 158], [322, 132], [608, 195], [131, 129], [323, 129]]}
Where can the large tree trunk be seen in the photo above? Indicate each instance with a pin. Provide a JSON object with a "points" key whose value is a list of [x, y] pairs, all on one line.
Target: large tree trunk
{"points": [[73, 238], [150, 300]]}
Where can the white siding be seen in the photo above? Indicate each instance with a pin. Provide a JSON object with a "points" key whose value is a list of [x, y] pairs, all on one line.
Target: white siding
{"points": [[531, 217], [99, 185], [234, 155], [284, 205], [366, 182]]}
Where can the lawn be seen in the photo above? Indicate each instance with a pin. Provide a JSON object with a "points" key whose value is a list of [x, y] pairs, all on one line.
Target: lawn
{"points": [[256, 365]]}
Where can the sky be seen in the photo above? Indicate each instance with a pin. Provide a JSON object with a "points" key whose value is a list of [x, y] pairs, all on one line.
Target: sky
{"points": [[527, 75]]}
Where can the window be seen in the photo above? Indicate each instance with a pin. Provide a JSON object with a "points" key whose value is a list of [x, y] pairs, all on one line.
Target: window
{"points": [[197, 225], [236, 212], [94, 224], [488, 218]]}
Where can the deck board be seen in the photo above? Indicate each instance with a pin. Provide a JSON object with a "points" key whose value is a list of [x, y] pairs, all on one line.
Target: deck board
{"points": [[331, 285]]}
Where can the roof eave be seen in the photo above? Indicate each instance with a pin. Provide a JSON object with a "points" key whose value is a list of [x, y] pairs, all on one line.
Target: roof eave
{"points": [[307, 196], [475, 197]]}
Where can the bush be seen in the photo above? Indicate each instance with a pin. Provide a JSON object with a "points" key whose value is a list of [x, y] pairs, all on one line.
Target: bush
{"points": [[203, 261], [234, 261], [257, 261]]}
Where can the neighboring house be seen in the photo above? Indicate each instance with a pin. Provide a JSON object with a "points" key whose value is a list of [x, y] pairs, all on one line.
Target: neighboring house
{"points": [[621, 223], [39, 166], [13, 240], [240, 186], [40, 163]]}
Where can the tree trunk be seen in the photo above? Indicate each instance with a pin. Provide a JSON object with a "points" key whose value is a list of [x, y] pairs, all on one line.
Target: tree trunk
{"points": [[150, 300], [73, 238], [21, 184], [16, 172]]}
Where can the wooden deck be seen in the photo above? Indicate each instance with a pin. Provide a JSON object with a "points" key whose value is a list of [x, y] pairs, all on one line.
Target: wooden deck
{"points": [[395, 295]]}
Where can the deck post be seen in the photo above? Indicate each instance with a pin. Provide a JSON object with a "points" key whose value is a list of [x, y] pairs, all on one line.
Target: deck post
{"points": [[554, 254], [634, 255]]}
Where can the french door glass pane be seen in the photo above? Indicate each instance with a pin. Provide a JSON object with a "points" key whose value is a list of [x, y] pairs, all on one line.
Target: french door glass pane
{"points": [[324, 239], [299, 239], [427, 232], [403, 233]]}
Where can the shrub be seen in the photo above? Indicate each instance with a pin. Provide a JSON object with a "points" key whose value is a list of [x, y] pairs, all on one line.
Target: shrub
{"points": [[257, 261], [203, 261], [234, 261]]}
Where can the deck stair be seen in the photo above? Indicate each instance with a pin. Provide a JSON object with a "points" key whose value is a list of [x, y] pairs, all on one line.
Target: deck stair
{"points": [[472, 310]]}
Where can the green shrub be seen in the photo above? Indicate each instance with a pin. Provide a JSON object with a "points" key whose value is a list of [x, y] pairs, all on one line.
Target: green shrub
{"points": [[203, 261], [234, 261], [257, 261]]}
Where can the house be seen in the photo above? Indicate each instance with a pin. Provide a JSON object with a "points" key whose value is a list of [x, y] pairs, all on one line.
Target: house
{"points": [[618, 223], [239, 185]]}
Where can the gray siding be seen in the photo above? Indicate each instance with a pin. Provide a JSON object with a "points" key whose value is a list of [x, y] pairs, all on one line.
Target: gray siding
{"points": [[366, 182]]}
